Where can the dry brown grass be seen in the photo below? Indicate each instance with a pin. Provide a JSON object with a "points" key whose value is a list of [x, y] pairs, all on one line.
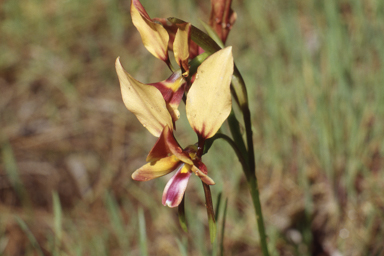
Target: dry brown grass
{"points": [[64, 129]]}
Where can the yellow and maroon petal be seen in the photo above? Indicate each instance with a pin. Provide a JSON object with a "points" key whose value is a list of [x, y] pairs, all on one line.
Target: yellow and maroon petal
{"points": [[154, 36], [163, 145], [181, 46], [171, 28], [172, 90], [156, 169], [167, 145], [145, 101], [176, 186], [209, 99], [203, 176]]}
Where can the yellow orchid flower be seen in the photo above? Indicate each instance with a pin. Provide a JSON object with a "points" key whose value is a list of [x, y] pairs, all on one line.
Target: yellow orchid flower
{"points": [[155, 38], [208, 105], [167, 156], [155, 105]]}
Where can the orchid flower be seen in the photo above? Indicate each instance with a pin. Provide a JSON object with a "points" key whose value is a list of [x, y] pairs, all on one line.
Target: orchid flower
{"points": [[208, 105], [156, 38], [167, 156]]}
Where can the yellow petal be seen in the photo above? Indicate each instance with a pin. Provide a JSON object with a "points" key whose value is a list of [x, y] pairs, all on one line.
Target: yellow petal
{"points": [[204, 177], [172, 90], [154, 36], [145, 101], [209, 99], [156, 169], [181, 46], [167, 145]]}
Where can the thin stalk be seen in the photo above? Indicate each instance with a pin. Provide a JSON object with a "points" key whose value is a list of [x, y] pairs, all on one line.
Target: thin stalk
{"points": [[210, 212], [252, 183], [253, 187], [239, 92], [234, 147], [251, 177], [223, 228]]}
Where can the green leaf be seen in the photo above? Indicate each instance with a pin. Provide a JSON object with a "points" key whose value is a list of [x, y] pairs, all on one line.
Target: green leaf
{"points": [[212, 228], [181, 213], [195, 63], [182, 247], [223, 228], [212, 33], [199, 37], [210, 212], [58, 219], [12, 173], [143, 233], [218, 206], [29, 234]]}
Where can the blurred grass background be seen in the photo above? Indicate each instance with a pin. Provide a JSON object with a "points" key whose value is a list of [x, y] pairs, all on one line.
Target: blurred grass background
{"points": [[314, 70]]}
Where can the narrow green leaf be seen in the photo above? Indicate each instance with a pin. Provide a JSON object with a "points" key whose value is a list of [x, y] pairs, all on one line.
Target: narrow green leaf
{"points": [[210, 212], [212, 228], [195, 63], [29, 234], [57, 219], [12, 173], [212, 33], [223, 228], [116, 219], [182, 217], [143, 233], [57, 213], [218, 206], [199, 37], [234, 127], [182, 247]]}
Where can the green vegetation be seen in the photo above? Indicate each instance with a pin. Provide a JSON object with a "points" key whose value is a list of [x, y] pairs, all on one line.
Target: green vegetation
{"points": [[314, 71]]}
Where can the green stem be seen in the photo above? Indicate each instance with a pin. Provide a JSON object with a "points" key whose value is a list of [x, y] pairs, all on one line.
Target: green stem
{"points": [[253, 187], [239, 92], [234, 127], [210, 212], [234, 147], [248, 134], [252, 183]]}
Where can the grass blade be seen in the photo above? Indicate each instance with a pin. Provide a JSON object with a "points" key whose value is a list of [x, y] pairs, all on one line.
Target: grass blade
{"points": [[30, 236], [223, 228], [143, 233]]}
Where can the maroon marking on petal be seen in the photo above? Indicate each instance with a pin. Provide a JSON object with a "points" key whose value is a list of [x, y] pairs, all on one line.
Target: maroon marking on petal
{"points": [[160, 149], [164, 89], [177, 96], [202, 167], [141, 9], [171, 29], [175, 188]]}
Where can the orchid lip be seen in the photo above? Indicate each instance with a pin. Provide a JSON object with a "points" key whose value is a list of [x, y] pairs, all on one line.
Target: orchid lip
{"points": [[176, 186]]}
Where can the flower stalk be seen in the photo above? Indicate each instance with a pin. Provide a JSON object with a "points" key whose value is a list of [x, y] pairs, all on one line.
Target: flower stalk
{"points": [[239, 92], [206, 79]]}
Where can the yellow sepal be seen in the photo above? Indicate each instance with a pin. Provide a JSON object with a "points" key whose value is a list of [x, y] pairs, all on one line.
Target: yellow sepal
{"points": [[145, 101], [209, 99]]}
